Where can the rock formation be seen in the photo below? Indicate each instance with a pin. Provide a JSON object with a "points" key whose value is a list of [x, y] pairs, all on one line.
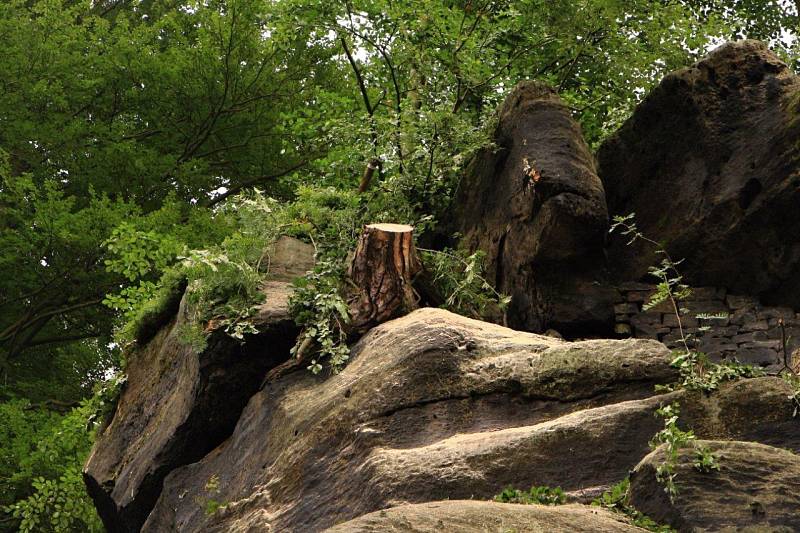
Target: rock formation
{"points": [[762, 489], [436, 413], [436, 406], [432, 405], [179, 404], [709, 164], [535, 205]]}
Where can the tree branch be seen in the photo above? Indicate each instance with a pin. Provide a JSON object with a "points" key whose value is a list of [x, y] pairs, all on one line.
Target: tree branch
{"points": [[18, 326], [249, 183], [60, 339], [361, 86], [54, 405]]}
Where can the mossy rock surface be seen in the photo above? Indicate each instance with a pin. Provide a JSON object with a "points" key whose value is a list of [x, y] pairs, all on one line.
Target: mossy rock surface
{"points": [[431, 406], [708, 162], [181, 401], [757, 488]]}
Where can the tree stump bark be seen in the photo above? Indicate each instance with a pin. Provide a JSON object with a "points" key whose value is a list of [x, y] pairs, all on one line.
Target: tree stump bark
{"points": [[382, 270]]}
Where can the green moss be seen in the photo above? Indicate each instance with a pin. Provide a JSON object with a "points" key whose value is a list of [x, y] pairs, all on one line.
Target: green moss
{"points": [[157, 311]]}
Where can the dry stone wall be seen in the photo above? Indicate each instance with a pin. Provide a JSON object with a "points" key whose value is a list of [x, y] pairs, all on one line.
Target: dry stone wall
{"points": [[751, 332]]}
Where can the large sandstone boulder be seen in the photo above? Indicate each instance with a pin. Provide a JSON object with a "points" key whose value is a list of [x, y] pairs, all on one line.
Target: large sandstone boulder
{"points": [[757, 488], [748, 410], [709, 162], [431, 406], [179, 403], [534, 204], [481, 517]]}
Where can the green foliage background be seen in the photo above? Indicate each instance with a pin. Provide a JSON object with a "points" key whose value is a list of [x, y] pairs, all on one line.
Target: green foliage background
{"points": [[127, 126]]}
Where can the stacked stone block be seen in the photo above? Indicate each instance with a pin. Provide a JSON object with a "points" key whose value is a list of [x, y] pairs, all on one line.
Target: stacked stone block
{"points": [[750, 332]]}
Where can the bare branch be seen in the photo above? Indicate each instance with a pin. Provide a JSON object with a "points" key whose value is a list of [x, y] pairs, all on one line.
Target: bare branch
{"points": [[361, 86], [253, 181]]}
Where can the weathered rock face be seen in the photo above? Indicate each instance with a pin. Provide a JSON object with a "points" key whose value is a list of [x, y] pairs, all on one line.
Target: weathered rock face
{"points": [[757, 488], [748, 410], [179, 404], [709, 163], [431, 406], [480, 517], [537, 208]]}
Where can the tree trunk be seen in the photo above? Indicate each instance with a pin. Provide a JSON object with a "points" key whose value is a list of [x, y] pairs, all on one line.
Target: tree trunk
{"points": [[382, 270]]}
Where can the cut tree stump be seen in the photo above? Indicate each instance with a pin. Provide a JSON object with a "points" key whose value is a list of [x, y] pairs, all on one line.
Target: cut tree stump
{"points": [[382, 271]]}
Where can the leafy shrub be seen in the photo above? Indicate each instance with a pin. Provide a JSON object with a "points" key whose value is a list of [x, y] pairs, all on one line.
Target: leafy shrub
{"points": [[794, 381], [670, 287], [211, 505], [536, 495], [697, 372], [318, 307], [21, 428], [458, 275], [192, 335], [47, 450], [617, 499], [58, 505], [144, 319], [675, 439], [705, 460], [140, 256], [222, 283], [106, 396], [329, 218], [223, 288]]}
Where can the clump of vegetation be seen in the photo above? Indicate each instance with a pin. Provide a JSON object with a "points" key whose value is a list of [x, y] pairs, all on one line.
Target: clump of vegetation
{"points": [[46, 452], [148, 315], [319, 308], [704, 460], [670, 287], [617, 499], [697, 372], [105, 398], [459, 275], [794, 382], [674, 440], [541, 495], [223, 282], [139, 256], [211, 505], [789, 370]]}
